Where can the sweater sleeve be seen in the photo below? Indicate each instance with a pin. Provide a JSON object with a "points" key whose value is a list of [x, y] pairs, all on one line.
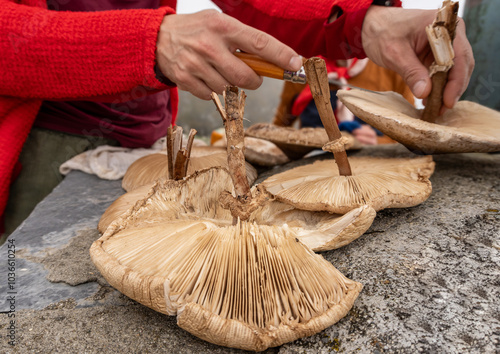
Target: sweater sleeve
{"points": [[59, 55], [303, 25]]}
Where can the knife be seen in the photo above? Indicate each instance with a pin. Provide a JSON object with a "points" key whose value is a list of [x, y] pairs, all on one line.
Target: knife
{"points": [[340, 84], [267, 69]]}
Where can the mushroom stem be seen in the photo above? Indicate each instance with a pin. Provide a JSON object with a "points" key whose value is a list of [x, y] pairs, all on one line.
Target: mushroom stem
{"points": [[183, 156], [232, 117], [317, 77], [178, 158], [440, 34], [170, 153]]}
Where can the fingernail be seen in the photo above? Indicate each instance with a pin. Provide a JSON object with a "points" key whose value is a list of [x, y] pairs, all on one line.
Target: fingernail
{"points": [[296, 62], [419, 88]]}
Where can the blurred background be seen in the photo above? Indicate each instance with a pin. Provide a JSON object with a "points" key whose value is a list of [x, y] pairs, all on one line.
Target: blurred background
{"points": [[261, 104]]}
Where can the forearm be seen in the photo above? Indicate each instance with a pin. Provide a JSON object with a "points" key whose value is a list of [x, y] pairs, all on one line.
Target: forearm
{"points": [[59, 55], [304, 25]]}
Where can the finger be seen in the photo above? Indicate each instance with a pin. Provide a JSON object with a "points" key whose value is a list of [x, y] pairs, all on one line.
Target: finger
{"points": [[404, 61], [196, 87], [212, 78], [267, 47], [236, 72], [459, 75]]}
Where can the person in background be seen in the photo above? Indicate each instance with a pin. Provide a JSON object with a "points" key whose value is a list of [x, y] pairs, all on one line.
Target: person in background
{"points": [[77, 74]]}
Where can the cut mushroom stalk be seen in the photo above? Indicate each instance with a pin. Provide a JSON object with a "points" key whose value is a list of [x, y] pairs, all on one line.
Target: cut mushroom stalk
{"points": [[178, 158], [317, 76], [440, 34]]}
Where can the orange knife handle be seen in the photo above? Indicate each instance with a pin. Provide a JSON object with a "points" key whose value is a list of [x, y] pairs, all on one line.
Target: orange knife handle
{"points": [[260, 66]]}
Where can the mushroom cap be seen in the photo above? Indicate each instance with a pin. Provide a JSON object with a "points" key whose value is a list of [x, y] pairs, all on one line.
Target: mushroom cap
{"points": [[467, 127], [296, 143], [263, 152], [378, 182], [259, 151], [121, 205], [320, 231], [247, 286], [149, 168]]}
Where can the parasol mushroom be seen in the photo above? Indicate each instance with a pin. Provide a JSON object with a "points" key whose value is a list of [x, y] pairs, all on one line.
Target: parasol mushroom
{"points": [[233, 283], [339, 187], [296, 143], [467, 127], [247, 286], [378, 182]]}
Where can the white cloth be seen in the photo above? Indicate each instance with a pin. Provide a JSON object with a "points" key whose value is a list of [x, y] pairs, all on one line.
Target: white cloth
{"points": [[108, 162], [111, 162]]}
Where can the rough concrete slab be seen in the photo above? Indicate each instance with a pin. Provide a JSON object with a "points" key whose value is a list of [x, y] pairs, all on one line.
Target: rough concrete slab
{"points": [[431, 276]]}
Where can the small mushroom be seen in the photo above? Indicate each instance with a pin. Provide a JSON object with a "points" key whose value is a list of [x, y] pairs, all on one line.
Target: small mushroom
{"points": [[259, 151], [378, 182], [263, 152], [467, 127], [245, 285], [296, 143]]}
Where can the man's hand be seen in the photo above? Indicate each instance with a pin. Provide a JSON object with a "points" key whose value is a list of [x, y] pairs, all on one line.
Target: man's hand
{"points": [[395, 38], [195, 52]]}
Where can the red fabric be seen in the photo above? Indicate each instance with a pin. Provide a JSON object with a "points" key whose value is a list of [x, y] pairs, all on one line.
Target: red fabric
{"points": [[304, 25], [64, 55]]}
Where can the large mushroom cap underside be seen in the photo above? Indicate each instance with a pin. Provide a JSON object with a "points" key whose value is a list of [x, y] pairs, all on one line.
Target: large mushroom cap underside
{"points": [[149, 168], [296, 143], [468, 127], [246, 286], [177, 200], [378, 182], [121, 205]]}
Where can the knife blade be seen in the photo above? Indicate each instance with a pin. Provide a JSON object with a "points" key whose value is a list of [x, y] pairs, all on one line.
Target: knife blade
{"points": [[341, 84]]}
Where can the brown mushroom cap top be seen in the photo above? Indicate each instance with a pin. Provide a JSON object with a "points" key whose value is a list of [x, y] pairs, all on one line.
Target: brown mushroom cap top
{"points": [[259, 151], [263, 152], [296, 143], [149, 168], [468, 127], [247, 285], [378, 182]]}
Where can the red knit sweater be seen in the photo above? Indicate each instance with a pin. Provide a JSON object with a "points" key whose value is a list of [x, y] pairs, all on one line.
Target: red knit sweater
{"points": [[50, 55]]}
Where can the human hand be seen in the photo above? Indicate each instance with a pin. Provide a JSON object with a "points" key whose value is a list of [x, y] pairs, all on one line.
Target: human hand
{"points": [[195, 51], [366, 135], [395, 38]]}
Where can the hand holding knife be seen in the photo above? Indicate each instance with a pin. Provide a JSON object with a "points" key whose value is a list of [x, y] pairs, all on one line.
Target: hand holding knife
{"points": [[267, 69]]}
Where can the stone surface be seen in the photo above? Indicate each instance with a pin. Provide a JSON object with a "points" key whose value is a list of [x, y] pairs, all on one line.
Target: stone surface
{"points": [[431, 275]]}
